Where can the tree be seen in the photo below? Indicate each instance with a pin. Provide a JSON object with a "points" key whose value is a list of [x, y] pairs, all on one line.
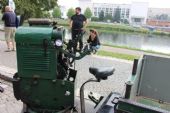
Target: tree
{"points": [[117, 15], [46, 14], [31, 8], [56, 12], [125, 21], [162, 17], [108, 17], [101, 15], [88, 13], [94, 19], [70, 12]]}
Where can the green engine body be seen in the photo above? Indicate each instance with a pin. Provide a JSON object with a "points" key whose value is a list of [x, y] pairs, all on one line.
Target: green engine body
{"points": [[37, 82]]}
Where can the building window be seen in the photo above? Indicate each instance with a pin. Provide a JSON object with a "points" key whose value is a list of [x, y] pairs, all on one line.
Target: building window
{"points": [[99, 9], [95, 9], [95, 13], [123, 10], [127, 13], [137, 19], [98, 13], [107, 9]]}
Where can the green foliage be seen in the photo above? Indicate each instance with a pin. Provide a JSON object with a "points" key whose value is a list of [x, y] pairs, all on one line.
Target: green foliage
{"points": [[94, 19], [162, 17], [108, 17], [88, 13], [117, 15], [117, 55], [46, 14], [101, 15], [31, 8], [56, 12], [70, 12], [125, 21]]}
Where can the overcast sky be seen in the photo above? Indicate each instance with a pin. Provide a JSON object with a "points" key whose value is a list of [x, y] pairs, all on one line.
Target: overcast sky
{"points": [[152, 3]]}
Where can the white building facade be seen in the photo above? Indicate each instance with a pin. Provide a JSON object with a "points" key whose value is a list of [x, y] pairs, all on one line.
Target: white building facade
{"points": [[135, 13], [138, 13], [109, 9], [63, 11]]}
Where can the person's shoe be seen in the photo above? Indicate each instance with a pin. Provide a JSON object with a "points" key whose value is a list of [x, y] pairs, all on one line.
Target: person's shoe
{"points": [[13, 49], [8, 50]]}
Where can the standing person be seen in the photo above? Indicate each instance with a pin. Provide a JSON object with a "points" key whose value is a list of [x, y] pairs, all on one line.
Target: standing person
{"points": [[10, 23], [78, 22], [93, 40]]}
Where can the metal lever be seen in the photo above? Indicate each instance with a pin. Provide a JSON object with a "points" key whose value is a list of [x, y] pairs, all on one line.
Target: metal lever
{"points": [[93, 99], [1, 89]]}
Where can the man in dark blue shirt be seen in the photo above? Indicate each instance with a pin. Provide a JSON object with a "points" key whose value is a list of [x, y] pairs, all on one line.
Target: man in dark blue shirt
{"points": [[10, 24], [77, 23]]}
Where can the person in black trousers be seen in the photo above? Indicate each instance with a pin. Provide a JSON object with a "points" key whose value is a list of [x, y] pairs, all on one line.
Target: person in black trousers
{"points": [[78, 23]]}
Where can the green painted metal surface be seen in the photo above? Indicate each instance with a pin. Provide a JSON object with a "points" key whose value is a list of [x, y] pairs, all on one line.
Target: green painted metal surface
{"points": [[33, 35], [32, 62], [141, 100], [45, 94], [153, 103], [128, 106], [37, 84]]}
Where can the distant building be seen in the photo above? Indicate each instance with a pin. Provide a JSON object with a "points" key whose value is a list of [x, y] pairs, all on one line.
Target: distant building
{"points": [[159, 17], [138, 13], [135, 13], [153, 12], [110, 9], [159, 23], [63, 11]]}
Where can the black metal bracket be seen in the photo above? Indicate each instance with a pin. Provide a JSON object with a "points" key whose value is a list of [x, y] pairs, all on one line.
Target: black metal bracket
{"points": [[1, 89], [93, 99]]}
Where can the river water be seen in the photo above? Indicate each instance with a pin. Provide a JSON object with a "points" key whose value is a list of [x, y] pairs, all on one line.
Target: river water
{"points": [[138, 41]]}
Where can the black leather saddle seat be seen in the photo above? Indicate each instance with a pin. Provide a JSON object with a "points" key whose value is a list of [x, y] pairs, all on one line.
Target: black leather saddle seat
{"points": [[101, 72]]}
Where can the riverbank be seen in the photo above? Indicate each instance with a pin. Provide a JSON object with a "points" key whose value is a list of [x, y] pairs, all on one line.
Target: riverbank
{"points": [[135, 49], [126, 54], [111, 27], [120, 52], [106, 53]]}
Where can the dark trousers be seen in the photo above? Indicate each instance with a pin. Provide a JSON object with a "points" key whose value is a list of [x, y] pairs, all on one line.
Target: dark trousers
{"points": [[77, 36]]}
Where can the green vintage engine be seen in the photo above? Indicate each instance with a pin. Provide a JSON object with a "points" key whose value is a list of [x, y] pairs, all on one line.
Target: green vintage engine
{"points": [[40, 81]]}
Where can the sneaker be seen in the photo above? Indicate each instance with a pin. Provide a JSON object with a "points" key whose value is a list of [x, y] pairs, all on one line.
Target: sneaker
{"points": [[8, 50], [13, 49]]}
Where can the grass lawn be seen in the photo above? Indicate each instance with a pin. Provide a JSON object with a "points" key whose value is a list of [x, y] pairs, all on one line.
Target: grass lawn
{"points": [[147, 51], [117, 55]]}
